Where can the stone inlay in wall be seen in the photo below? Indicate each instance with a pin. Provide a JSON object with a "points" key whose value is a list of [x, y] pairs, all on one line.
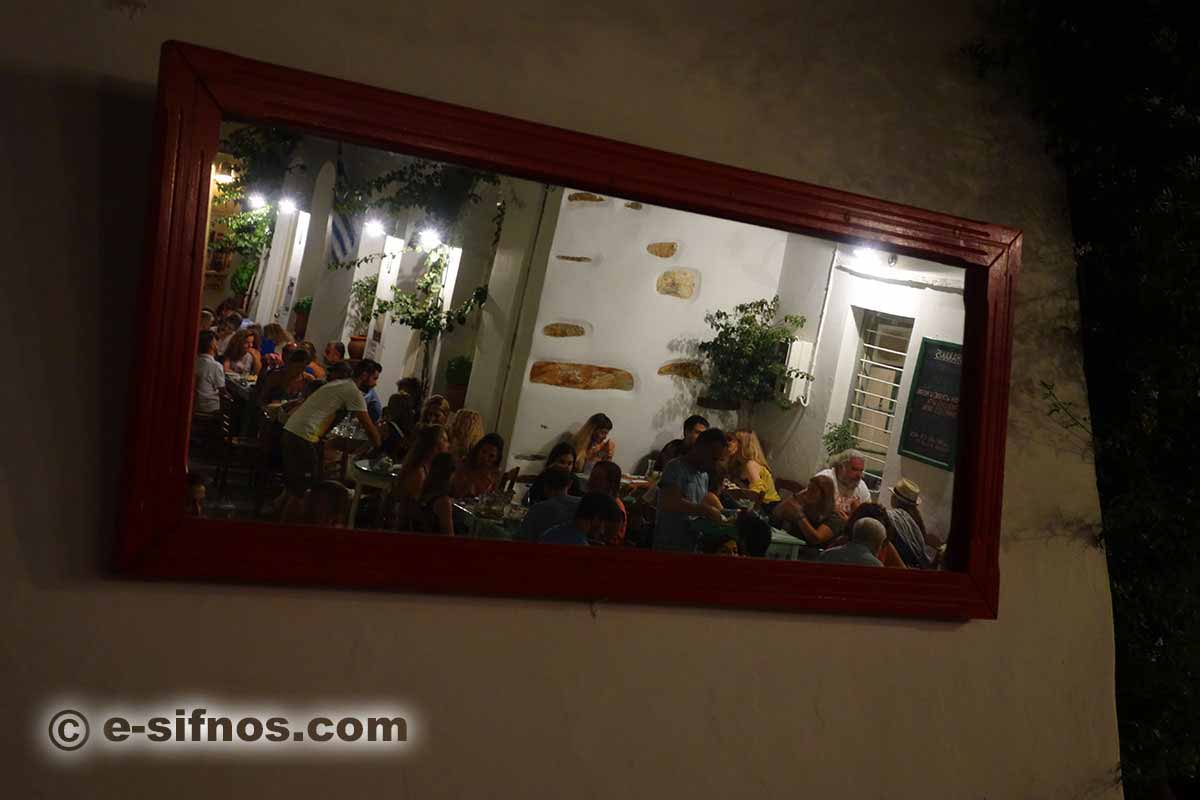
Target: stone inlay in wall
{"points": [[634, 204], [662, 249], [564, 329], [677, 283], [580, 259], [692, 370], [584, 197], [580, 376]]}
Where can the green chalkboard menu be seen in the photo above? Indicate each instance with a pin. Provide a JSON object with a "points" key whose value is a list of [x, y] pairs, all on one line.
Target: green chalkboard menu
{"points": [[931, 418]]}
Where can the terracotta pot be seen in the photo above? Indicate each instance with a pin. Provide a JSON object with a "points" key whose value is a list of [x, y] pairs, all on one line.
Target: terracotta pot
{"points": [[299, 324], [358, 345], [456, 394]]}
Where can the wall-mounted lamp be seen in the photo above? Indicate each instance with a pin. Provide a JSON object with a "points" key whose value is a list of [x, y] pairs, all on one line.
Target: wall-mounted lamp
{"points": [[374, 228], [430, 239], [223, 172], [287, 205], [256, 201]]}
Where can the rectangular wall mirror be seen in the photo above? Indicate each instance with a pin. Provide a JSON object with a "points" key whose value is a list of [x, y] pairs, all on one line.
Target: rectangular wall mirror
{"points": [[396, 344]]}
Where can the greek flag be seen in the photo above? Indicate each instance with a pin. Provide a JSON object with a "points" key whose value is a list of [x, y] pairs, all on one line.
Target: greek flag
{"points": [[343, 242]]}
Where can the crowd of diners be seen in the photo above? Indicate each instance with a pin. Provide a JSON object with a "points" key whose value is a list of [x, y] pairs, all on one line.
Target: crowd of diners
{"points": [[577, 498]]}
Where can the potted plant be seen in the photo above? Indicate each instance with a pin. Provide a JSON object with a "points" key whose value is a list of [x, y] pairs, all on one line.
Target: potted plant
{"points": [[838, 438], [458, 375], [747, 358], [421, 309], [300, 311], [362, 312]]}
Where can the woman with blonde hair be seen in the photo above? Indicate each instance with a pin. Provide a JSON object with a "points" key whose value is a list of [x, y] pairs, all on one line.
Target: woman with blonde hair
{"points": [[241, 356], [812, 514], [464, 430], [275, 336], [436, 410], [749, 467], [592, 443]]}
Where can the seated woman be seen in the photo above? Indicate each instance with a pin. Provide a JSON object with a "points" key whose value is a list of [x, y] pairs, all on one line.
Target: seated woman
{"points": [[314, 367], [398, 425], [409, 483], [592, 443], [226, 328], [241, 356], [889, 555], [464, 430], [275, 336], [750, 469], [436, 410], [811, 514], [562, 456], [435, 509], [479, 472]]}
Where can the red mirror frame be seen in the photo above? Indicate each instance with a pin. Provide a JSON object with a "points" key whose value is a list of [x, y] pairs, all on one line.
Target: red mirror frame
{"points": [[199, 87]]}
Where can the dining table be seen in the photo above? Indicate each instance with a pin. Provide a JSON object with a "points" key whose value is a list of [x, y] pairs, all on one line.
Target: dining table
{"points": [[474, 518], [349, 439]]}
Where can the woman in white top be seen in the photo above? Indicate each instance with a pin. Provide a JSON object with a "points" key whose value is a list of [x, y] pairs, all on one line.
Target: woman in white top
{"points": [[241, 356]]}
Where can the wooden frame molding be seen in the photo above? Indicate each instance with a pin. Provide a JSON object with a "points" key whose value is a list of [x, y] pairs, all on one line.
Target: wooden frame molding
{"points": [[198, 88]]}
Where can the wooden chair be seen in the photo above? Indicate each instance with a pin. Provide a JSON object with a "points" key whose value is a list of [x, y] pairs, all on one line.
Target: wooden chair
{"points": [[242, 453], [508, 480]]}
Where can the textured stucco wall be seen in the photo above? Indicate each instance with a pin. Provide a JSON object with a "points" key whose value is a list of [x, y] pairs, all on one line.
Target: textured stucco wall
{"points": [[523, 698], [628, 324]]}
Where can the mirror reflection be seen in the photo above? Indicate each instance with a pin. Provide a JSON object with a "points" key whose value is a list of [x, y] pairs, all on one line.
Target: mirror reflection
{"points": [[393, 343]]}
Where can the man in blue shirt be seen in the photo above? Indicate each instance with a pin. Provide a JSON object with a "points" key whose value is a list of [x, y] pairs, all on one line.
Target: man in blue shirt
{"points": [[366, 375], [595, 519], [866, 542], [557, 508], [682, 486]]}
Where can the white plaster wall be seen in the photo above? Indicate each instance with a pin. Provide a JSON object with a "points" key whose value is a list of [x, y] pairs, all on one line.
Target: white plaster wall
{"points": [[629, 324], [524, 698], [507, 319]]}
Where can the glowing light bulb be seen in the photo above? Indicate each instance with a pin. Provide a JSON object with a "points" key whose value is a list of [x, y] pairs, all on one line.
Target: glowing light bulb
{"points": [[430, 239], [287, 205], [867, 255], [257, 201], [374, 228]]}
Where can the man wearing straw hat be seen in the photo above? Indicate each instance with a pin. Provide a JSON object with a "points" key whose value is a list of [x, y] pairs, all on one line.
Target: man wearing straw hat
{"points": [[916, 547]]}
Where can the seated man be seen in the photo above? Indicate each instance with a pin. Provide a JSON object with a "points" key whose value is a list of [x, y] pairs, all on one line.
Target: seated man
{"points": [[866, 544], [606, 479], [596, 520], [681, 492], [693, 426], [916, 546], [846, 469], [366, 375], [558, 507], [335, 353], [209, 377], [309, 423]]}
